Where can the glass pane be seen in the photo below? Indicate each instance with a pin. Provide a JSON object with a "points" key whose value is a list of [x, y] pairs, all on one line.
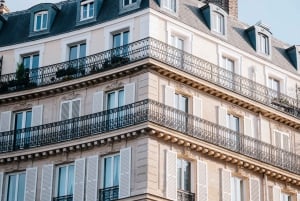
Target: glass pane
{"points": [[18, 120], [111, 100], [117, 40], [35, 61], [38, 22], [11, 188], [45, 18], [62, 179], [107, 172], [73, 52], [84, 11], [91, 11], [183, 103], [26, 62], [179, 174], [125, 38], [82, 50], [21, 187], [70, 180], [116, 170], [121, 101], [187, 175], [235, 123], [180, 44]]}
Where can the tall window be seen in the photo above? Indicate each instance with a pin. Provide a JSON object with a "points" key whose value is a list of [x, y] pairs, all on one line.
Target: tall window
{"points": [[274, 84], [233, 122], [183, 175], [227, 77], [263, 44], [86, 9], [22, 120], [169, 4], [16, 187], [237, 189], [285, 197], [218, 23], [177, 56], [115, 99], [77, 51], [128, 2], [181, 102], [111, 175], [65, 180], [40, 21], [32, 62], [177, 42], [281, 140], [121, 38]]}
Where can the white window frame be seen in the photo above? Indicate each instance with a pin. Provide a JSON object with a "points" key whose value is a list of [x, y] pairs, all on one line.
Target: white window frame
{"points": [[263, 43], [234, 192], [271, 73], [285, 197], [117, 91], [218, 23], [271, 81], [229, 118], [70, 107], [20, 53], [88, 3], [23, 117], [179, 103], [281, 139], [121, 32], [170, 5], [130, 3], [232, 55], [78, 48], [7, 183], [182, 175], [103, 169], [42, 14], [183, 34], [57, 177]]}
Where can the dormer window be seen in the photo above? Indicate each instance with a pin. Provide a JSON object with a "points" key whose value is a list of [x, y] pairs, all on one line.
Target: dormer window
{"points": [[128, 2], [263, 44], [87, 9], [218, 24], [169, 5], [41, 21]]}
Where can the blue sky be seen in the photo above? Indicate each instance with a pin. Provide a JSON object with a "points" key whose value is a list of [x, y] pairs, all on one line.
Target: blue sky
{"points": [[280, 15]]}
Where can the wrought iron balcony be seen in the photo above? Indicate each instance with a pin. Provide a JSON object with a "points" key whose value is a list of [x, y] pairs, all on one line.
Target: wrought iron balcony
{"points": [[185, 196], [64, 198], [109, 194], [148, 111], [150, 48]]}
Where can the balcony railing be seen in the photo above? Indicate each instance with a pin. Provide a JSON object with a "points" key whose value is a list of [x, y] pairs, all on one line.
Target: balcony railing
{"points": [[185, 196], [109, 194], [64, 198], [148, 111], [151, 48]]}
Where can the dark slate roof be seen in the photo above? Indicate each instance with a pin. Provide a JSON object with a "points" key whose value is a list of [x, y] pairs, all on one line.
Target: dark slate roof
{"points": [[16, 29]]}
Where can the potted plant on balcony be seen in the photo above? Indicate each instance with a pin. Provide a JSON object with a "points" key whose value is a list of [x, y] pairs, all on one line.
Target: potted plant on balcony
{"points": [[66, 73], [115, 61], [22, 77]]}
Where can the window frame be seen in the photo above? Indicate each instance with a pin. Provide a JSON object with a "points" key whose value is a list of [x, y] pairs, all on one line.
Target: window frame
{"points": [[116, 101], [77, 45], [102, 181], [182, 178], [24, 117], [288, 196], [167, 5], [263, 43], [7, 184], [218, 23], [57, 168], [88, 3], [130, 3], [233, 183], [281, 139], [231, 116], [70, 107], [42, 14]]}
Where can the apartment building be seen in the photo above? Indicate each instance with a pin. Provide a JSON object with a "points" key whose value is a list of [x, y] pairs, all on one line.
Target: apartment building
{"points": [[105, 100]]}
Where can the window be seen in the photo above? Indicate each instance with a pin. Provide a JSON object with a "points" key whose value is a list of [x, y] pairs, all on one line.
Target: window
{"points": [[77, 51], [177, 42], [227, 77], [237, 189], [177, 56], [115, 99], [65, 181], [263, 44], [169, 4], [218, 23], [183, 175], [285, 197], [16, 187], [40, 21], [274, 84], [281, 140], [70, 109], [128, 2], [86, 9], [181, 102], [121, 38], [233, 122], [32, 62], [22, 120]]}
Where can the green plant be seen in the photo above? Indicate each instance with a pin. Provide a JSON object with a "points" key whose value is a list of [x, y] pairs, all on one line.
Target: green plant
{"points": [[22, 74]]}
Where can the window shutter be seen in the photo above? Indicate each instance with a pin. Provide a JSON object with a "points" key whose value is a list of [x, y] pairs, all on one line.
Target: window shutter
{"points": [[47, 180], [171, 174], [285, 142], [277, 138], [298, 196], [169, 96], [1, 184], [197, 106], [5, 121], [92, 178], [276, 193], [98, 101], [254, 190], [226, 185], [64, 113], [79, 179], [125, 170], [202, 190], [129, 93], [248, 126], [222, 113], [75, 108], [37, 115], [30, 184]]}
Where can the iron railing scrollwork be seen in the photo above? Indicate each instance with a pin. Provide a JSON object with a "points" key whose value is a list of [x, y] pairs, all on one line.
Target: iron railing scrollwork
{"points": [[185, 196], [109, 194], [157, 113], [64, 198], [155, 49]]}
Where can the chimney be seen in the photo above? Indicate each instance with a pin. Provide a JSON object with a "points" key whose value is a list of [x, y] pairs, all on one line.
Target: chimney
{"points": [[230, 6], [3, 8]]}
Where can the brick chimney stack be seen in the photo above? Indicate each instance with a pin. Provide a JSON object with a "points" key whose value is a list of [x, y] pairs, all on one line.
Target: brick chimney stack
{"points": [[230, 6], [3, 8]]}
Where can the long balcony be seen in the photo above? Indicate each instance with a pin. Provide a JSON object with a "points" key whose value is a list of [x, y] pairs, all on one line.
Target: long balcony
{"points": [[154, 112], [149, 48]]}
